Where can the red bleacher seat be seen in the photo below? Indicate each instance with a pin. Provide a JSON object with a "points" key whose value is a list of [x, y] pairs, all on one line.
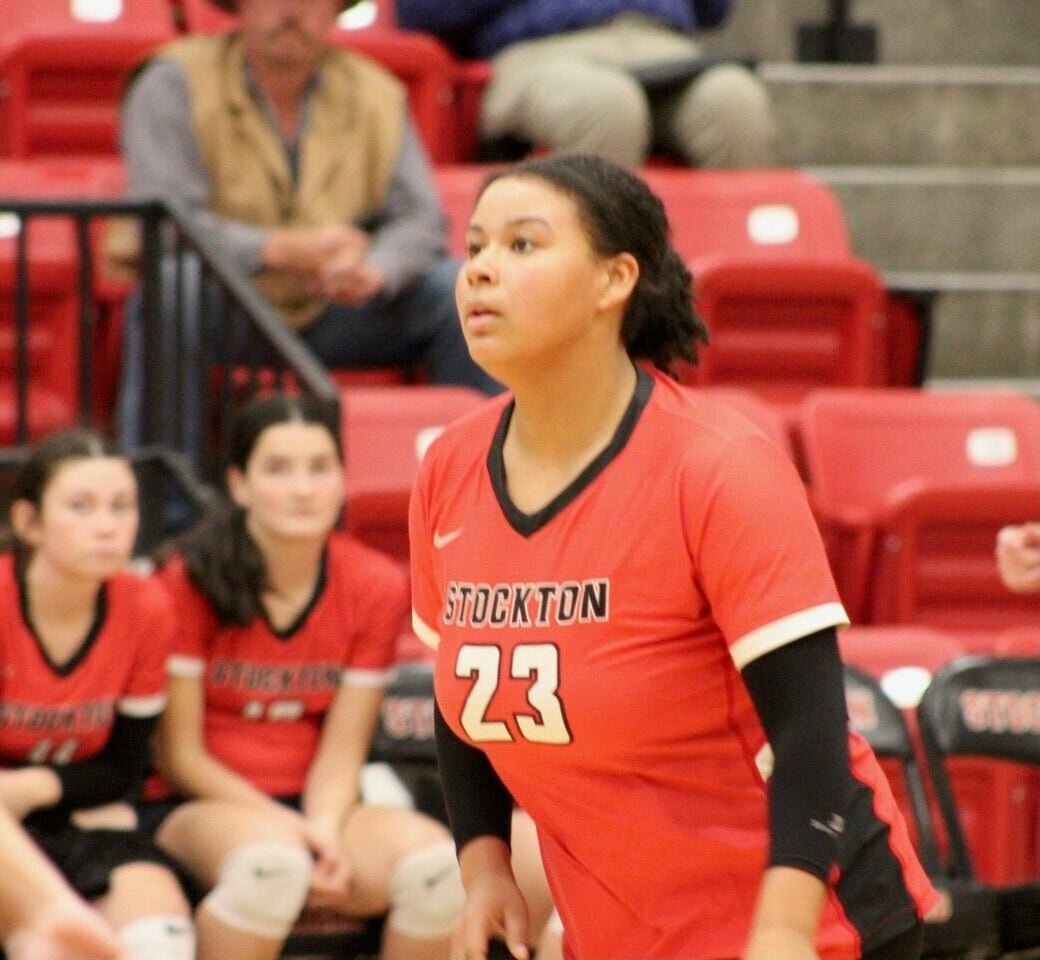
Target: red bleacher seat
{"points": [[64, 75], [783, 328], [999, 800], [771, 214], [878, 650], [74, 178], [52, 336], [788, 305], [385, 433], [934, 562], [859, 445], [421, 62]]}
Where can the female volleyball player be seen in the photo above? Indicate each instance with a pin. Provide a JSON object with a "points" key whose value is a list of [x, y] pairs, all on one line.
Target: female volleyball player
{"points": [[286, 640], [83, 649], [635, 620]]}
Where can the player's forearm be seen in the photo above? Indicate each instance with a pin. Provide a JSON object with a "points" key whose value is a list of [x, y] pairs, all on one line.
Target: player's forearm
{"points": [[198, 774], [27, 789], [29, 879], [329, 796], [787, 915]]}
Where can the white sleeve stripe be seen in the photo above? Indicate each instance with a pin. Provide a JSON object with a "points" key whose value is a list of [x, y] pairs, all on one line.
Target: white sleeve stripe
{"points": [[427, 634], [142, 706], [181, 666], [367, 678], [773, 635]]}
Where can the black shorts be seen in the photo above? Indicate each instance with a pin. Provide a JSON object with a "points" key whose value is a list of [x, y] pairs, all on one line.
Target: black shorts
{"points": [[151, 814], [86, 858], [905, 946]]}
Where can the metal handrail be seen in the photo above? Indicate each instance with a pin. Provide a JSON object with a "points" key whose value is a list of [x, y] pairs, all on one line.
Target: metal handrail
{"points": [[161, 221]]}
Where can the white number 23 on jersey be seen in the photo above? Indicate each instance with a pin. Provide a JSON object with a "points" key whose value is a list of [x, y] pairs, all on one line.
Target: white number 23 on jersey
{"points": [[539, 662]]}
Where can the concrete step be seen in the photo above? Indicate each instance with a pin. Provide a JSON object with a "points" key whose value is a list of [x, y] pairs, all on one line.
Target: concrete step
{"points": [[948, 116], [909, 31], [941, 218], [983, 334]]}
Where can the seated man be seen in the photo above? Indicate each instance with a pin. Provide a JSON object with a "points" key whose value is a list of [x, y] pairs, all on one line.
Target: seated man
{"points": [[301, 163], [613, 77]]}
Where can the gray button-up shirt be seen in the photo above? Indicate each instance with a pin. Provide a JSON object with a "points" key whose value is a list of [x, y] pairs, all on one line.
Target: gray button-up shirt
{"points": [[163, 160]]}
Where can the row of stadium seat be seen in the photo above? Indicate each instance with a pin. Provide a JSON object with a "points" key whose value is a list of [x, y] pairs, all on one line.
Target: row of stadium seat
{"points": [[789, 306], [64, 65], [909, 487]]}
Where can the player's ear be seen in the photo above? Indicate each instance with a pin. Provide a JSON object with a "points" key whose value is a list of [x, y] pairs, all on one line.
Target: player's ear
{"points": [[25, 523], [620, 275], [236, 485]]}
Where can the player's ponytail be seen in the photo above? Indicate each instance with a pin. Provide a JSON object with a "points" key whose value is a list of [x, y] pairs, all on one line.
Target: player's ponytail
{"points": [[219, 553], [621, 214]]}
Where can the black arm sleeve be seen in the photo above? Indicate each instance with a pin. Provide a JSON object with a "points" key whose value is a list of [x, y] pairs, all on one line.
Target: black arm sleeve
{"points": [[799, 694], [479, 805], [113, 773]]}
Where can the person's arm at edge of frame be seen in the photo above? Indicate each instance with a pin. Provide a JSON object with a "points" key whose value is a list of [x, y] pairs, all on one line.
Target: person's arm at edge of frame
{"points": [[811, 784], [38, 909], [480, 811]]}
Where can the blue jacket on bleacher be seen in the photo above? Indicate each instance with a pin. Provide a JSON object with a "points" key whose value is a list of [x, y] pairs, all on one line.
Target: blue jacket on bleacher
{"points": [[481, 28]]}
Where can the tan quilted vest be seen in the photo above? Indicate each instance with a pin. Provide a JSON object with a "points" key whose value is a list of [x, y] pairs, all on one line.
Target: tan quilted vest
{"points": [[347, 152]]}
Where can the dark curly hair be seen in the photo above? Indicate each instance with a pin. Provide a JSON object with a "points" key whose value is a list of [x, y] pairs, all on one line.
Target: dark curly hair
{"points": [[621, 214], [220, 555]]}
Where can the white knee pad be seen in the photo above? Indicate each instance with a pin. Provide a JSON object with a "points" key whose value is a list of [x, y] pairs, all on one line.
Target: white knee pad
{"points": [[159, 938], [426, 893], [262, 889]]}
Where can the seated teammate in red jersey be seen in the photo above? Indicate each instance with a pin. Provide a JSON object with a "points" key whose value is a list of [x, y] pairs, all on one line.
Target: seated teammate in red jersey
{"points": [[286, 641], [41, 918], [635, 620], [83, 649]]}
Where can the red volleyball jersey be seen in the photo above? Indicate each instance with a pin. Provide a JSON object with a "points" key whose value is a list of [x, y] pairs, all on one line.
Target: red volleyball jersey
{"points": [[267, 691], [593, 651], [58, 713]]}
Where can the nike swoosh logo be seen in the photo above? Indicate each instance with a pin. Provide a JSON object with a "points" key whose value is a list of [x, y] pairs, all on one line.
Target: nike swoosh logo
{"points": [[440, 541], [438, 877]]}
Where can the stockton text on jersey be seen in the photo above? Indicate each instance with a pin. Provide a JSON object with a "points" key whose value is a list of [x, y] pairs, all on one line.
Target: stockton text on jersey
{"points": [[294, 679], [79, 717], [526, 604]]}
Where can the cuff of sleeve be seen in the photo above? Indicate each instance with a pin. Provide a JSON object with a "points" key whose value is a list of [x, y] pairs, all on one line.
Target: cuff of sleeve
{"points": [[806, 864]]}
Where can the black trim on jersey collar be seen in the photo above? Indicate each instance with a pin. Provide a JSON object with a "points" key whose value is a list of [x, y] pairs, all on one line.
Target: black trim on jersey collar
{"points": [[527, 524], [301, 619], [88, 641]]}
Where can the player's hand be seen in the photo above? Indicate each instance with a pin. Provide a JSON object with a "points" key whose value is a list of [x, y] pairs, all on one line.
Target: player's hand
{"points": [[780, 943], [494, 908], [330, 882], [308, 249], [352, 287], [65, 930]]}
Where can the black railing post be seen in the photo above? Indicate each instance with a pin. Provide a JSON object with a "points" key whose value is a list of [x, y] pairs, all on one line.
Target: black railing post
{"points": [[838, 39], [21, 327], [153, 370], [86, 322]]}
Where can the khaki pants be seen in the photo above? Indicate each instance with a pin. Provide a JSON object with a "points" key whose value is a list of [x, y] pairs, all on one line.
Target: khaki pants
{"points": [[571, 92]]}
